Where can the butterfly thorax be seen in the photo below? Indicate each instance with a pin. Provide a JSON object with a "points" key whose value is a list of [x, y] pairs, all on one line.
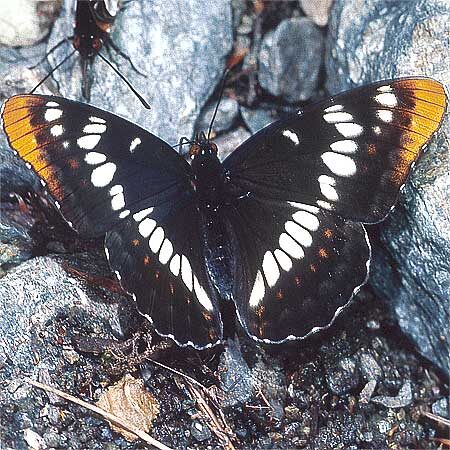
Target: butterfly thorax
{"points": [[208, 177], [89, 36]]}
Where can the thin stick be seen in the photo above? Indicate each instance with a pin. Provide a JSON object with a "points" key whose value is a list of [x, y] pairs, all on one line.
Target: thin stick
{"points": [[436, 418], [181, 374], [105, 414], [136, 93]]}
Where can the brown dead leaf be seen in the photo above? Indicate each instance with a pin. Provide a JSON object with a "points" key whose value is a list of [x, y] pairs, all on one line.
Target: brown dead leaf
{"points": [[129, 400]]}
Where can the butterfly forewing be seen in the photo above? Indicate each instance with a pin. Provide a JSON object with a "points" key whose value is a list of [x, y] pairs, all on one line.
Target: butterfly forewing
{"points": [[98, 167], [107, 174], [349, 154]]}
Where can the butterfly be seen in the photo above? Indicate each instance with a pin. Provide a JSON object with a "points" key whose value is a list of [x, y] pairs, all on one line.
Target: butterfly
{"points": [[276, 228], [93, 23]]}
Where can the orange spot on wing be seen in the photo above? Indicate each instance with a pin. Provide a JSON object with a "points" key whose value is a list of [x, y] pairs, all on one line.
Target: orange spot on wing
{"points": [[74, 164], [135, 243], [147, 260], [371, 149], [328, 233], [313, 268], [279, 295], [298, 280], [323, 253]]}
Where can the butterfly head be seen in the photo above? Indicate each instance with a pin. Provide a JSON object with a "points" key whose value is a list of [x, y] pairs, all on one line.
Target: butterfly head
{"points": [[203, 149]]}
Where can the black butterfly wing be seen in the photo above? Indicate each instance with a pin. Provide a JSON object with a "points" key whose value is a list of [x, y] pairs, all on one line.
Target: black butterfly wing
{"points": [[298, 266], [297, 187], [349, 154], [98, 167], [157, 254], [109, 175]]}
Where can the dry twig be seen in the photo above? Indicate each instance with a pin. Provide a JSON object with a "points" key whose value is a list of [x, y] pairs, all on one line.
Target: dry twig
{"points": [[108, 416]]}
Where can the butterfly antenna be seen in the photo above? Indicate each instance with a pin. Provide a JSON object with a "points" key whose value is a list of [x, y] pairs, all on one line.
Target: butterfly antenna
{"points": [[53, 70], [135, 92], [224, 79]]}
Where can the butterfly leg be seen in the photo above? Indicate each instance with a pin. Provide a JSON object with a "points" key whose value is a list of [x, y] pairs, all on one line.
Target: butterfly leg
{"points": [[67, 39]]}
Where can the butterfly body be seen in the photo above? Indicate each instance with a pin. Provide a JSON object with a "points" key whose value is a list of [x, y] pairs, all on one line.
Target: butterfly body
{"points": [[277, 227], [92, 25]]}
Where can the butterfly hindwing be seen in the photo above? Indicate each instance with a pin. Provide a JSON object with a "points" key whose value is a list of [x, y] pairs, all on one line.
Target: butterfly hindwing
{"points": [[157, 253], [349, 154], [99, 167], [299, 266]]}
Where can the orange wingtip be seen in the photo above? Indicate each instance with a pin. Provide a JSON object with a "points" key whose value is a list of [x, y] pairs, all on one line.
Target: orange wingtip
{"points": [[423, 104], [23, 119]]}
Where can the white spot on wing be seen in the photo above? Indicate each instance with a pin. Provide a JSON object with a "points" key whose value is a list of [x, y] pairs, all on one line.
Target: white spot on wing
{"points": [[270, 269], [334, 108], [304, 207], [337, 117], [306, 220], [146, 227], [202, 296], [289, 246], [385, 88], [385, 115], [166, 251], [258, 291], [327, 180], [386, 99], [302, 236], [88, 142], [325, 205], [186, 272], [118, 202], [51, 104], [97, 119], [52, 114], [116, 189], [283, 260], [349, 129], [174, 265], [56, 130], [134, 143], [329, 192], [292, 136], [341, 165], [141, 214], [102, 175], [345, 146], [94, 128], [94, 158], [124, 213], [156, 239]]}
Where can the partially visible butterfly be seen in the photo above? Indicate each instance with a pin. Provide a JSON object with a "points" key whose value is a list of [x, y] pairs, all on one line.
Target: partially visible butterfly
{"points": [[93, 23], [277, 228]]}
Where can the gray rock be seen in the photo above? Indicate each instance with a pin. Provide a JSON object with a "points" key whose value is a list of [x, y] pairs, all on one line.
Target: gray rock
{"points": [[182, 66], [35, 293], [255, 119], [235, 376], [402, 399], [317, 10], [26, 22], [440, 407], [369, 367], [343, 377], [410, 267], [200, 431], [290, 59], [228, 142], [367, 391], [226, 114], [16, 244]]}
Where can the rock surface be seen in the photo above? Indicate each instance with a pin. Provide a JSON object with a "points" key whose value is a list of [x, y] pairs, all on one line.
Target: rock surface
{"points": [[411, 256], [290, 59], [26, 22], [317, 10], [182, 59]]}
